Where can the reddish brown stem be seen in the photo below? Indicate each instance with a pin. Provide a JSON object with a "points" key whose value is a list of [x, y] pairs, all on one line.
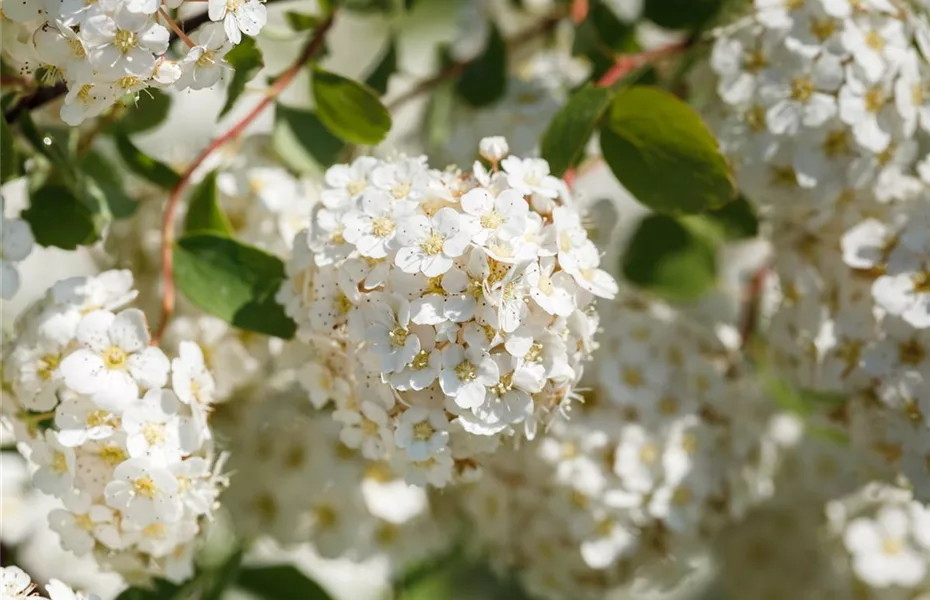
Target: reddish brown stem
{"points": [[579, 11], [752, 297], [626, 63], [167, 228]]}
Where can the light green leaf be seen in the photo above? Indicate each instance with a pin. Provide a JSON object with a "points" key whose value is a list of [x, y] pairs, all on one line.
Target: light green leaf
{"points": [[59, 219], [232, 281], [736, 220], [109, 179], [9, 158], [667, 256], [246, 59], [569, 131], [204, 214], [302, 142], [661, 151], [280, 582], [144, 165], [349, 109], [484, 80], [300, 21], [379, 78], [146, 111]]}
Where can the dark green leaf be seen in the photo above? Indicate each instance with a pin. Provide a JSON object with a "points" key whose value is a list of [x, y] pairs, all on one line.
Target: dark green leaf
{"points": [[662, 152], [233, 281], [160, 590], [612, 33], [53, 146], [60, 219], [302, 142], [109, 179], [681, 14], [349, 109], [9, 159], [280, 582], [215, 582], [378, 80], [569, 131], [736, 220], [300, 21], [246, 60], [145, 112], [367, 5], [670, 258], [144, 165], [484, 80], [204, 214]]}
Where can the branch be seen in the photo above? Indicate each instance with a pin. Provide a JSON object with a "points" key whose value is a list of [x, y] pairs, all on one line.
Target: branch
{"points": [[627, 62], [167, 230], [451, 71], [43, 95]]}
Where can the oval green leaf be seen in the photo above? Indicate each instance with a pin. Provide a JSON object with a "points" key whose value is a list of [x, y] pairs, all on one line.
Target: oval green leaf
{"points": [[302, 141], [349, 109], [280, 582], [484, 80], [204, 214], [569, 131], [58, 219], [661, 151]]}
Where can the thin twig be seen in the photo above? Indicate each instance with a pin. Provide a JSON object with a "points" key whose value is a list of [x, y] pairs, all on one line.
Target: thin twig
{"points": [[628, 62], [167, 230], [453, 70], [175, 28], [750, 304]]}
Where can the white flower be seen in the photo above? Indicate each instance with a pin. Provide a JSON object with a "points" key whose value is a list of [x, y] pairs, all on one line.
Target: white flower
{"points": [[63, 50], [503, 217], [85, 100], [638, 460], [115, 358], [435, 470], [56, 464], [553, 292], [372, 229], [467, 374], [800, 93], [15, 584], [389, 333], [78, 528], [145, 493], [345, 183], [882, 552], [80, 420], [190, 377], [153, 428], [58, 590], [866, 107], [124, 45], [531, 176], [428, 245], [877, 42], [494, 148], [367, 429], [16, 243], [202, 66], [238, 16], [404, 179], [421, 432], [906, 294]]}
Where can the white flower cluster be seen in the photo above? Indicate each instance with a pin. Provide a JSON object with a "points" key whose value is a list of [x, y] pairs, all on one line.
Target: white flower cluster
{"points": [[15, 584], [628, 493], [819, 102], [90, 403], [468, 294], [297, 483], [16, 242], [106, 49]]}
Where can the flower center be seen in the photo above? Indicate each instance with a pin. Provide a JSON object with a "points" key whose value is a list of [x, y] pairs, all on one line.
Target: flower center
{"points": [[84, 93], [356, 187], [875, 41], [77, 48], [755, 118], [369, 427], [128, 82], [144, 486], [648, 454], [911, 353], [124, 40], [420, 361], [921, 282], [206, 59], [233, 5], [754, 61], [84, 522], [875, 99], [401, 190], [823, 29], [326, 517], [802, 88], [112, 455], [892, 547], [633, 377], [534, 354], [466, 371], [836, 143], [155, 530], [545, 285], [114, 358], [433, 244], [492, 220], [60, 463], [47, 366], [382, 227], [153, 433], [423, 431], [398, 336], [96, 418]]}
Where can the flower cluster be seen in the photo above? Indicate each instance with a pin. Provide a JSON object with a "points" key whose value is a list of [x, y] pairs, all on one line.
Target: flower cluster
{"points": [[15, 584], [297, 483], [112, 427], [819, 102], [16, 243], [105, 50], [663, 453], [468, 294]]}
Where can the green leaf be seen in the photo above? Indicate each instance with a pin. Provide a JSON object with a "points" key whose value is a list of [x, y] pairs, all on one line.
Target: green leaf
{"points": [[280, 582], [9, 158], [302, 142], [484, 80], [661, 151], [300, 21], [204, 214], [569, 131], [349, 109], [246, 59], [232, 281], [146, 111], [59, 219], [110, 181], [379, 78], [670, 258], [736, 220], [159, 590], [681, 14], [144, 165]]}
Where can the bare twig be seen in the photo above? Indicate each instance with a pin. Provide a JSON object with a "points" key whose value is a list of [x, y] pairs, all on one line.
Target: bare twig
{"points": [[167, 231]]}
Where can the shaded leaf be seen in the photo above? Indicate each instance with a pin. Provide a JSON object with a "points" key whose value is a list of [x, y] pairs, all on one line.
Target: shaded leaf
{"points": [[109, 179], [300, 21], [280, 582], [387, 66], [681, 14], [349, 109], [484, 80], [246, 59], [204, 214], [569, 131], [146, 111], [9, 158], [59, 219], [144, 165], [661, 151], [232, 281], [736, 220], [302, 142]]}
